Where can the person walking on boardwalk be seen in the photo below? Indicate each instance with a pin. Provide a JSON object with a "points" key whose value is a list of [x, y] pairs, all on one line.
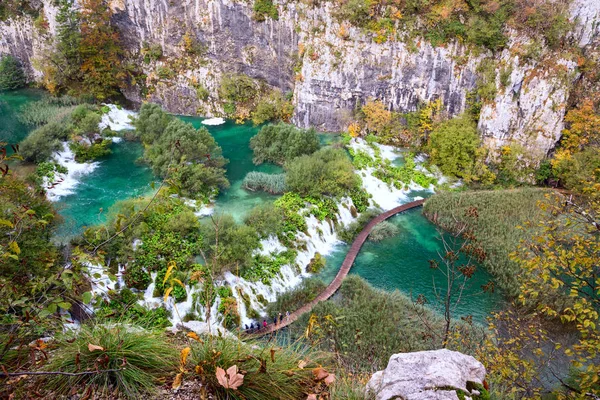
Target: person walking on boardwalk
{"points": [[280, 318], [287, 316], [265, 323]]}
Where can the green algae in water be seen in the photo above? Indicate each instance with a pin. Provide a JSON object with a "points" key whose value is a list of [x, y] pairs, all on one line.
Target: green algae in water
{"points": [[402, 262]]}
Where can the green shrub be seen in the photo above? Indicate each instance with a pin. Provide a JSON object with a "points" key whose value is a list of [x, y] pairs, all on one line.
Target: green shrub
{"points": [[123, 306], [237, 88], [89, 152], [453, 145], [138, 358], [581, 171], [383, 230], [260, 181], [39, 145], [282, 142], [270, 371], [191, 157], [151, 52], [11, 73], [272, 107], [292, 300], [316, 264], [263, 9], [327, 172], [266, 219], [266, 267]]}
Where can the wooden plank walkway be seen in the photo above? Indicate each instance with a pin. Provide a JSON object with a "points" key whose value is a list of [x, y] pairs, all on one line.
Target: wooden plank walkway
{"points": [[344, 270]]}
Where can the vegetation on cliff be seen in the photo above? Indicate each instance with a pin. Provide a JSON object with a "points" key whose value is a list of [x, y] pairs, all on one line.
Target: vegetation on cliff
{"points": [[11, 73]]}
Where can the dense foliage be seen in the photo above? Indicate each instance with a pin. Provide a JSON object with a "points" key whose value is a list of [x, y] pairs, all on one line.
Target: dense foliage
{"points": [[11, 73], [190, 158], [282, 142], [328, 172], [453, 146]]}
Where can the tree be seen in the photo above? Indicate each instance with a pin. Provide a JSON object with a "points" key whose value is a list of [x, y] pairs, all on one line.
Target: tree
{"points": [[151, 122], [327, 172], [560, 273], [191, 156], [453, 146], [282, 142], [583, 128], [11, 73], [100, 51]]}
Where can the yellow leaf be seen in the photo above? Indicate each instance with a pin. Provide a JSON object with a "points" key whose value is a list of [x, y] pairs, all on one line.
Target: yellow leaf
{"points": [[179, 282], [194, 336], [168, 273], [184, 355], [178, 380], [167, 293], [14, 247], [93, 347]]}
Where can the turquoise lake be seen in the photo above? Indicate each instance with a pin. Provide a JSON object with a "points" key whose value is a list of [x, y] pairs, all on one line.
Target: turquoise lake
{"points": [[400, 262]]}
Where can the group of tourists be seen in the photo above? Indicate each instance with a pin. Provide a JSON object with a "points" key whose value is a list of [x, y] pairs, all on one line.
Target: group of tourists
{"points": [[278, 319]]}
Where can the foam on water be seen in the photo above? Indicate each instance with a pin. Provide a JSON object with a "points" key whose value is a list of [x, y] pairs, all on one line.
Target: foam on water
{"points": [[213, 121], [65, 184], [117, 119]]}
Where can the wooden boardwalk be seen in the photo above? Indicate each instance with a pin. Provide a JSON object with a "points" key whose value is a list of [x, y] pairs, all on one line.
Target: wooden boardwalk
{"points": [[344, 270]]}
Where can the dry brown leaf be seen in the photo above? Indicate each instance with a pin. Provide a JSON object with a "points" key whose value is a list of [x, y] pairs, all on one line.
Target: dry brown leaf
{"points": [[302, 364], [199, 370], [230, 379], [93, 347], [177, 382], [329, 379], [319, 373], [312, 397]]}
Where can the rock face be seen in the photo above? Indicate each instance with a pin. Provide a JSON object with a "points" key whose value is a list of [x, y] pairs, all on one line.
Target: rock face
{"points": [[329, 66], [427, 375]]}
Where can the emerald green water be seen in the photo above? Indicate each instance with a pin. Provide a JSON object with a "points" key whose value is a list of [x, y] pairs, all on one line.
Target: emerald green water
{"points": [[400, 262]]}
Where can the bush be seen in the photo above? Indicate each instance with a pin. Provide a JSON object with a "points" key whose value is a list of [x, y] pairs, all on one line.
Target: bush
{"points": [[270, 372], [273, 107], [138, 357], [151, 122], [85, 153], [383, 230], [293, 299], [282, 142], [266, 219], [11, 73], [453, 146], [581, 171], [237, 89], [327, 172], [316, 264], [260, 181], [39, 145], [191, 157], [263, 9]]}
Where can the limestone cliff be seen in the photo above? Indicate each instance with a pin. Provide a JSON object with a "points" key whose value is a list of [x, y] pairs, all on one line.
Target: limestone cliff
{"points": [[329, 66]]}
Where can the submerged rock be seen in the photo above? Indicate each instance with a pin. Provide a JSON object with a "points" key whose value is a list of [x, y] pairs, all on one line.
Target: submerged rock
{"points": [[427, 375]]}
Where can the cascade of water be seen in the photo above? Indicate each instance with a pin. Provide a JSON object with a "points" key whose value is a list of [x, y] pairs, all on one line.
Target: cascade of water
{"points": [[64, 184], [117, 119]]}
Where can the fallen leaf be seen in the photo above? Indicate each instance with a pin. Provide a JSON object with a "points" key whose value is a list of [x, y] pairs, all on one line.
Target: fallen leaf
{"points": [[330, 379], [93, 347], [302, 364], [230, 379], [319, 373], [312, 397], [177, 382], [273, 355], [199, 370]]}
